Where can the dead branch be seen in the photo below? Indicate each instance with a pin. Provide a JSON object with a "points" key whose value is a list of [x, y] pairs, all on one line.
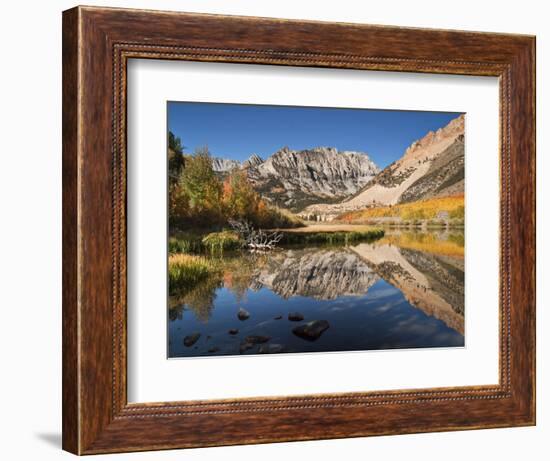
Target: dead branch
{"points": [[255, 239]]}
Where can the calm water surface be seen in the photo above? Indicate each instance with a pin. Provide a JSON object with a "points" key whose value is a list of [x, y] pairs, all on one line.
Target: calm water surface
{"points": [[403, 291]]}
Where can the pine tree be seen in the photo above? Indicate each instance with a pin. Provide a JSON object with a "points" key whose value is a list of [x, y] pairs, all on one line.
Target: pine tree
{"points": [[176, 160]]}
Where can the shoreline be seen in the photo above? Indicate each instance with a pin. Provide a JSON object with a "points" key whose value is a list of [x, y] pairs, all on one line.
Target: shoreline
{"points": [[369, 226]]}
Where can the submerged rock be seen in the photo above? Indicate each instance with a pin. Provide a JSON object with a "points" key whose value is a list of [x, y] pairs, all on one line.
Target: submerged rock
{"points": [[245, 346], [233, 331], [252, 340], [213, 349], [271, 348], [257, 339], [243, 314], [191, 339], [311, 331], [278, 317], [295, 317]]}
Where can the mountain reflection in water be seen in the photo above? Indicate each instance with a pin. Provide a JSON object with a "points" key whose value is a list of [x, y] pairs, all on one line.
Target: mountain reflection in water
{"points": [[403, 291]]}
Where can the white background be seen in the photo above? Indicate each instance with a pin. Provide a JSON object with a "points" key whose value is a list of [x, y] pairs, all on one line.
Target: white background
{"points": [[30, 247], [152, 378]]}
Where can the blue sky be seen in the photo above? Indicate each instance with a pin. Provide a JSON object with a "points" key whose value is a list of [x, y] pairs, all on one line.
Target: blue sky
{"points": [[236, 131]]}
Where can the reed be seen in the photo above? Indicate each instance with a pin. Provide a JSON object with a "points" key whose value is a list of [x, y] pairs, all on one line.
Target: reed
{"points": [[220, 241], [203, 244], [185, 243], [185, 271], [331, 237]]}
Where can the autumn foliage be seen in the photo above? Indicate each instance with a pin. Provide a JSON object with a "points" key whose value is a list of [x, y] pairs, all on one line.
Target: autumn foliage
{"points": [[199, 198], [450, 207]]}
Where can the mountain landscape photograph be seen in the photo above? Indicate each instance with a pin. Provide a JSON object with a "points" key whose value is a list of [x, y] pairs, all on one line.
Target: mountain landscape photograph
{"points": [[307, 229]]}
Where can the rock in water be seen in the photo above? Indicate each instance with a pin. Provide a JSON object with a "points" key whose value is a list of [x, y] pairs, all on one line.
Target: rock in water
{"points": [[278, 317], [233, 331], [295, 317], [311, 331], [257, 339], [250, 341], [213, 349], [243, 314], [271, 349], [191, 339], [244, 346]]}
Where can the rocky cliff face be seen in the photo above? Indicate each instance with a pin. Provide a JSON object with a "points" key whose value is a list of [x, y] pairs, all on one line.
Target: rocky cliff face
{"points": [[444, 177], [294, 179], [432, 166], [252, 161], [419, 167], [325, 181], [224, 165]]}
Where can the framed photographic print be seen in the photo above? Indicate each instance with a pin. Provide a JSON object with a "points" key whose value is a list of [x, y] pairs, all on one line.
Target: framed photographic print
{"points": [[325, 238], [285, 230]]}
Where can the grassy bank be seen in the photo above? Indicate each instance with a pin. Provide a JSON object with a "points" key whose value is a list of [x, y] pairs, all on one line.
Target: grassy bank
{"points": [[328, 237], [195, 243], [185, 271], [195, 258], [218, 242]]}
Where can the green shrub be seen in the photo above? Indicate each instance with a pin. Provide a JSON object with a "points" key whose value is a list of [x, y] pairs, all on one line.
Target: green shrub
{"points": [[220, 241], [184, 243]]}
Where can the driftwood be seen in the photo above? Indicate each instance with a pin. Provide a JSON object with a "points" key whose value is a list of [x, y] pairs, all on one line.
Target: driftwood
{"points": [[255, 239]]}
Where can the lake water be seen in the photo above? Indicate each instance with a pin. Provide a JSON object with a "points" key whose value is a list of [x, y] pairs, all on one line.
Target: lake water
{"points": [[403, 291]]}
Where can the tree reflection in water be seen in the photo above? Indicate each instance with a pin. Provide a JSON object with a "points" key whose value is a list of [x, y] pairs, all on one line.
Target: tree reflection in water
{"points": [[427, 268]]}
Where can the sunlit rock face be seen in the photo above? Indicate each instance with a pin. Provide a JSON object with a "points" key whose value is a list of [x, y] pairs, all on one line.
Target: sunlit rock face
{"points": [[224, 165], [295, 179], [252, 161], [432, 166]]}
